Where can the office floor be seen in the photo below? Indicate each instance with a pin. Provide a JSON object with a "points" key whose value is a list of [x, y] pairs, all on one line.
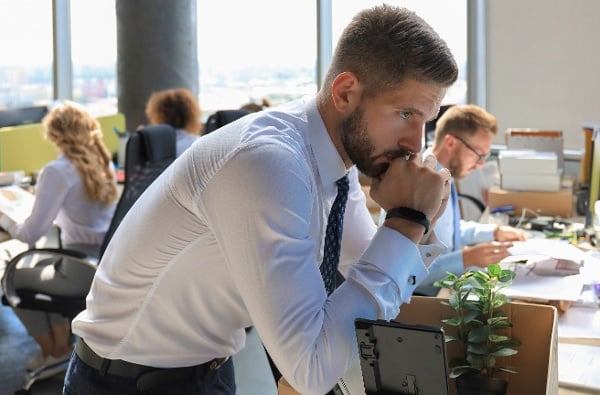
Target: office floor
{"points": [[253, 375]]}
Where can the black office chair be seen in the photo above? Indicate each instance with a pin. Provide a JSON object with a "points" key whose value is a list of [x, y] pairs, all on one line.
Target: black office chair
{"points": [[148, 153], [221, 118]]}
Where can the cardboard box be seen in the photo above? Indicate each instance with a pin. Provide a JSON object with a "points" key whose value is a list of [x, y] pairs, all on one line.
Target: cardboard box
{"points": [[538, 140], [534, 325], [542, 203], [527, 162], [532, 182]]}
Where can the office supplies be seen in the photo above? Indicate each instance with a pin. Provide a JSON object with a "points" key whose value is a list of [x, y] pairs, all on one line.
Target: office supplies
{"points": [[397, 358]]}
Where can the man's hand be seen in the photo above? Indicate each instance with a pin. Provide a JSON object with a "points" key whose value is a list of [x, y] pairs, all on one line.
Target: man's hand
{"points": [[508, 233], [412, 183], [484, 254]]}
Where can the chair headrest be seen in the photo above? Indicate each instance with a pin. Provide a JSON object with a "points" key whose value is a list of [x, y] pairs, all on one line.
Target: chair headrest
{"points": [[159, 141]]}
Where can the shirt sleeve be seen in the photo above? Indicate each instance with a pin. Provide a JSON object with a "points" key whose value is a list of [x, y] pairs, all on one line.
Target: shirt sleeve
{"points": [[450, 262], [50, 193], [472, 232]]}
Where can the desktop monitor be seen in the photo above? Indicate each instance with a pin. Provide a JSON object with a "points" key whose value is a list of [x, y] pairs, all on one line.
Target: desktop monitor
{"points": [[22, 116], [430, 126]]}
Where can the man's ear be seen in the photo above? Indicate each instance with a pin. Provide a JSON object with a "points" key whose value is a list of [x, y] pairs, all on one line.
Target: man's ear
{"points": [[346, 92], [449, 141]]}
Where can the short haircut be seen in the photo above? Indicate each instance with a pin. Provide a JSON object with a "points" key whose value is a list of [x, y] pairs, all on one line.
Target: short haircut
{"points": [[463, 121], [386, 45]]}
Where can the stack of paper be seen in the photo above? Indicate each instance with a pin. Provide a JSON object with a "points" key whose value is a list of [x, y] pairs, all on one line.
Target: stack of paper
{"points": [[547, 270]]}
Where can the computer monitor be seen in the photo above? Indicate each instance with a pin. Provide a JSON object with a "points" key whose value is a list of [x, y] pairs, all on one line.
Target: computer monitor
{"points": [[430, 126], [22, 116]]}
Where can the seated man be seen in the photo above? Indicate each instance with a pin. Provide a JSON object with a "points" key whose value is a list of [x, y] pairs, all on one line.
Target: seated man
{"points": [[463, 136]]}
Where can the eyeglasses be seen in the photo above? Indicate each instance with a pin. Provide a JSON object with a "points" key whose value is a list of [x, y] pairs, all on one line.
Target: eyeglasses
{"points": [[480, 157]]}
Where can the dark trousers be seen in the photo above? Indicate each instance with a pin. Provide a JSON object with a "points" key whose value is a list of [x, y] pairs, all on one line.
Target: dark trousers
{"points": [[82, 379]]}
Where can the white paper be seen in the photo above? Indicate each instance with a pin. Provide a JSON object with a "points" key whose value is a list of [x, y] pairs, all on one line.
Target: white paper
{"points": [[529, 284], [579, 366], [16, 202]]}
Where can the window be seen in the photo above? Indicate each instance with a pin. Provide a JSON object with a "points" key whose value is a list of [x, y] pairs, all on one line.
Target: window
{"points": [[94, 54], [25, 53], [271, 54]]}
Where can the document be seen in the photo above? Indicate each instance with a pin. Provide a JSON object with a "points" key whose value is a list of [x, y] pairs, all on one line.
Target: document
{"points": [[15, 202], [547, 270]]}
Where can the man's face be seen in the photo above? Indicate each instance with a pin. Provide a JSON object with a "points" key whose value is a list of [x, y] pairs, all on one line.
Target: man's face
{"points": [[389, 125], [469, 152]]}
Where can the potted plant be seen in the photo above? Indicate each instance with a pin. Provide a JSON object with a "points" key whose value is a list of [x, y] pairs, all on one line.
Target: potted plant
{"points": [[476, 297]]}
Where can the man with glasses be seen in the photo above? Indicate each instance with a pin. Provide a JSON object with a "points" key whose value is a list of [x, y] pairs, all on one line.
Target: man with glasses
{"points": [[463, 136]]}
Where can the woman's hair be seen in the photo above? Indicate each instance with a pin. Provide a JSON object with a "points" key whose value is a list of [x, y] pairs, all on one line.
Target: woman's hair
{"points": [[176, 107], [464, 120], [386, 45], [79, 137]]}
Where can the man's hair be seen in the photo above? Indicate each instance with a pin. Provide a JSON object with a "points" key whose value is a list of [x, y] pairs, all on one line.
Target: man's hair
{"points": [[386, 45], [464, 121]]}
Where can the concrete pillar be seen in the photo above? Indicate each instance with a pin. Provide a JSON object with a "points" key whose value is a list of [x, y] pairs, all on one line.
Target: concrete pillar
{"points": [[156, 49]]}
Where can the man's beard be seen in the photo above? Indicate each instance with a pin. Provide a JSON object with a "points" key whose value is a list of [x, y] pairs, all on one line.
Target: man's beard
{"points": [[357, 145]]}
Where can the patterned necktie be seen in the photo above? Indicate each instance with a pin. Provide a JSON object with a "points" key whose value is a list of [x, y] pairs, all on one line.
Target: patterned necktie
{"points": [[456, 216], [333, 236]]}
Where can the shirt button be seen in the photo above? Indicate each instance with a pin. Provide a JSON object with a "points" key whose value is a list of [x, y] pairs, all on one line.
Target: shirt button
{"points": [[412, 280], [428, 255]]}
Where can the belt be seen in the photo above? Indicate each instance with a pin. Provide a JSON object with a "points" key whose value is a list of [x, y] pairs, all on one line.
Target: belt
{"points": [[147, 376]]}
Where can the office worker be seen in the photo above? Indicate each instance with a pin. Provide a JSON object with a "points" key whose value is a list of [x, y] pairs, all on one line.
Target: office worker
{"points": [[77, 191], [463, 137], [232, 234], [180, 109]]}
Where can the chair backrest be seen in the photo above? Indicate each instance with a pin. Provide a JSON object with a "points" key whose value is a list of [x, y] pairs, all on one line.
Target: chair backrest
{"points": [[221, 118], [148, 153]]}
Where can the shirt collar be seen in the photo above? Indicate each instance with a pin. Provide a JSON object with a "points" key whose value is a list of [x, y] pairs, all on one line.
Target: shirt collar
{"points": [[329, 163]]}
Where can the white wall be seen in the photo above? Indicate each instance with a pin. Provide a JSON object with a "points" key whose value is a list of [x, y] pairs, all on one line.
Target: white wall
{"points": [[543, 65]]}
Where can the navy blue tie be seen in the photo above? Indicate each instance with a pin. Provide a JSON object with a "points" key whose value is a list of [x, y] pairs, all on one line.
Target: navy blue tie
{"points": [[456, 224], [333, 236]]}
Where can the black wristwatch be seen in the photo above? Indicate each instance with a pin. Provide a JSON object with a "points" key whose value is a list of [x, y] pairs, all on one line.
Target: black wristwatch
{"points": [[409, 214]]}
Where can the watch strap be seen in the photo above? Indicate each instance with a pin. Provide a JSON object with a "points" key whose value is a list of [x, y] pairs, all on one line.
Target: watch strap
{"points": [[409, 214]]}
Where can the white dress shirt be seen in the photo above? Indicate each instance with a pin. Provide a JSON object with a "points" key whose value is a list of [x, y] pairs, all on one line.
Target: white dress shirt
{"points": [[60, 198], [230, 236]]}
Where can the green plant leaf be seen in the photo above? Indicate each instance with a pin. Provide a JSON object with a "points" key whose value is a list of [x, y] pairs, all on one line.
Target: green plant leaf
{"points": [[505, 352]]}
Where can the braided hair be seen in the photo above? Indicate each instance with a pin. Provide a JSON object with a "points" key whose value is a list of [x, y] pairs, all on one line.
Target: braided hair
{"points": [[79, 136]]}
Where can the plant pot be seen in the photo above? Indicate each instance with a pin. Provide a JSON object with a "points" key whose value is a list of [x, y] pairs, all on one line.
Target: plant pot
{"points": [[474, 384]]}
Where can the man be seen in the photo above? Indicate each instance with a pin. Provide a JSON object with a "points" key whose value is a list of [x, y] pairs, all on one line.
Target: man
{"points": [[463, 136], [232, 234]]}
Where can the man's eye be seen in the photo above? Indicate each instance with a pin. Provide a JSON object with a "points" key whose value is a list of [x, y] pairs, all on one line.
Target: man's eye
{"points": [[404, 115]]}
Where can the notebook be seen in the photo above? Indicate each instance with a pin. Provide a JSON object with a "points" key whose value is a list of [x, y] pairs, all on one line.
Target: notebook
{"points": [[397, 358]]}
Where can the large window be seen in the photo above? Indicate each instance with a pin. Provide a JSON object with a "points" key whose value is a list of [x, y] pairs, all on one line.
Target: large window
{"points": [[94, 54], [269, 55], [25, 53], [246, 54]]}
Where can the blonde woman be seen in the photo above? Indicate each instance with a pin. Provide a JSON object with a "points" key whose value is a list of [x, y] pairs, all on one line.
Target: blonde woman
{"points": [[77, 191], [180, 109]]}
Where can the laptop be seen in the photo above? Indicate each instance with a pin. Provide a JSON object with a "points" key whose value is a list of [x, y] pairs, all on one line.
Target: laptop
{"points": [[397, 358]]}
